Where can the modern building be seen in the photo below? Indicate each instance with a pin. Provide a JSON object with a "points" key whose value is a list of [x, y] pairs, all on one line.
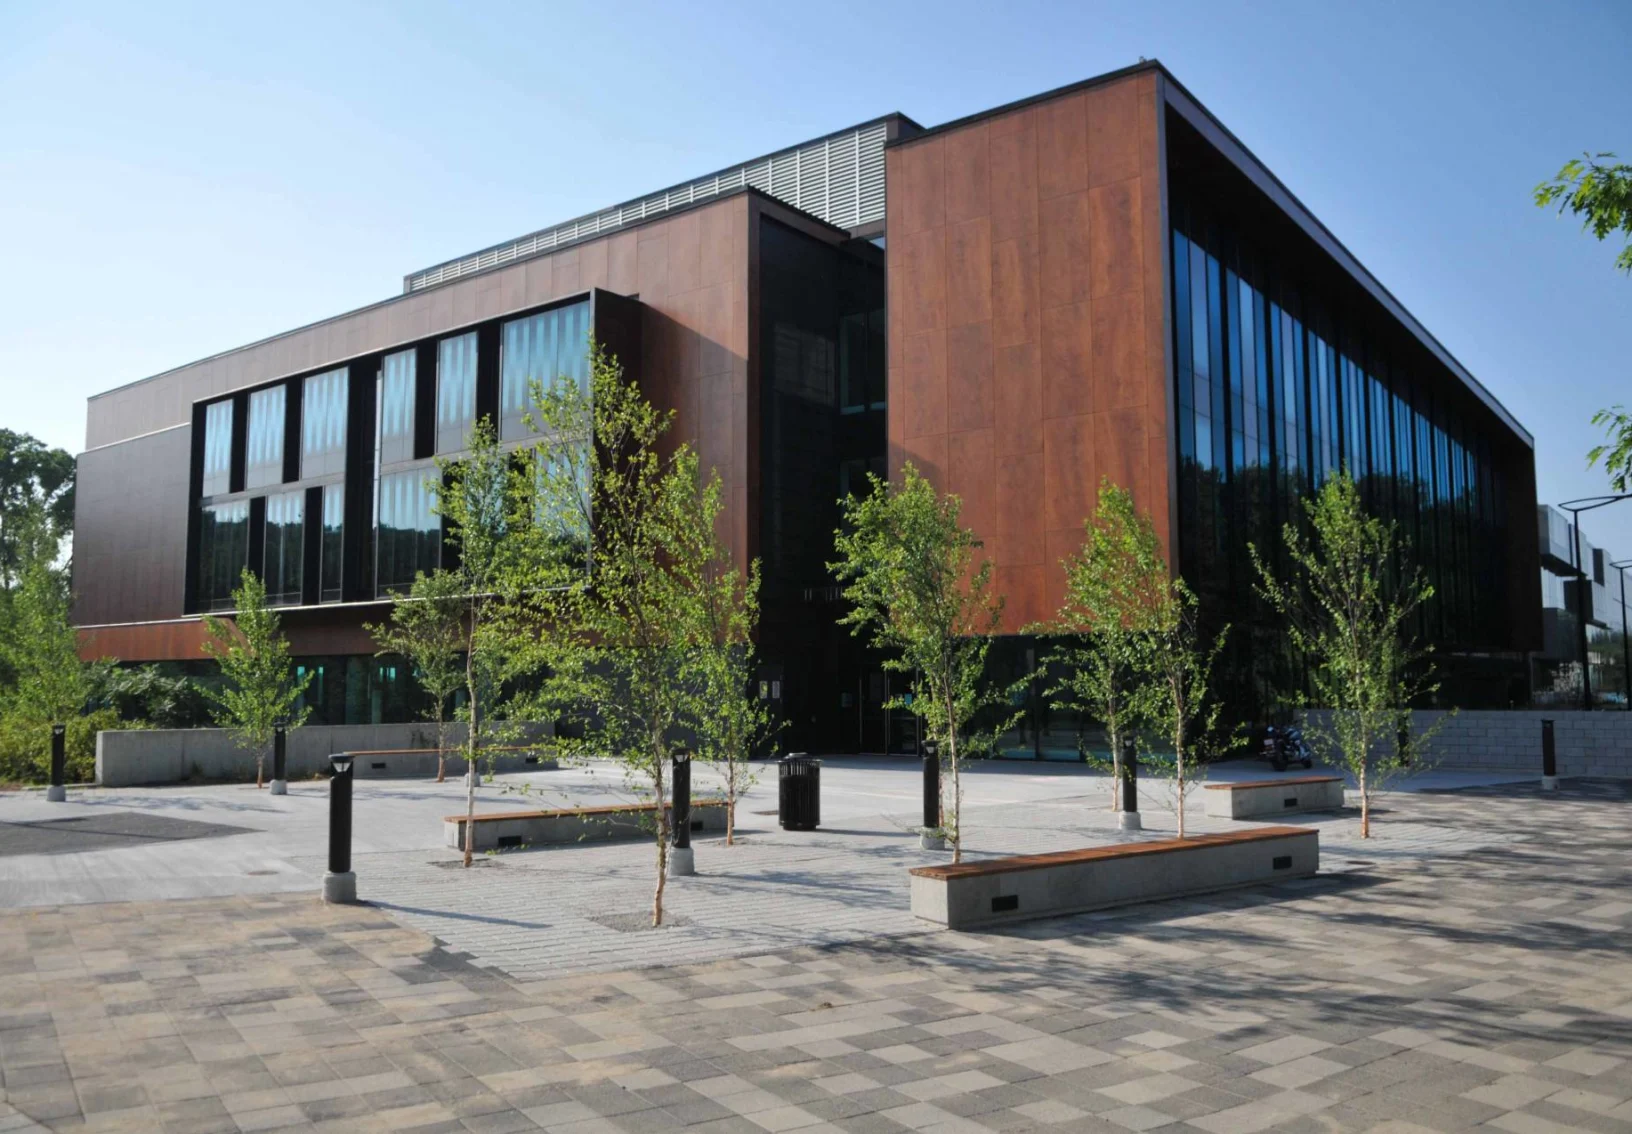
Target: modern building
{"points": [[1579, 585], [1100, 281]]}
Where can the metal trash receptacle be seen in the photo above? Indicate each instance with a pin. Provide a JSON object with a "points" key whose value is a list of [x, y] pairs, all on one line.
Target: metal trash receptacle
{"points": [[799, 779]]}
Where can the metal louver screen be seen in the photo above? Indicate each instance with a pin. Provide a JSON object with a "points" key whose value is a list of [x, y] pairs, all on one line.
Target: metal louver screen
{"points": [[839, 178]]}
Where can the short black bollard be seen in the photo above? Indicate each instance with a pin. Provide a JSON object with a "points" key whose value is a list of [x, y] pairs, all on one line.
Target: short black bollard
{"points": [[930, 838], [58, 791], [1128, 818], [280, 757], [1549, 758], [681, 861], [340, 884]]}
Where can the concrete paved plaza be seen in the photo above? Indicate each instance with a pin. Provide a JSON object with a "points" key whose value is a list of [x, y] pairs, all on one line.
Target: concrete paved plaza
{"points": [[1469, 966]]}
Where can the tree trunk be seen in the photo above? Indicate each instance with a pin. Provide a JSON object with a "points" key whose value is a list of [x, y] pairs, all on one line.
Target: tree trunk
{"points": [[1365, 805], [730, 802], [662, 836], [260, 764], [1114, 735], [441, 746], [470, 762], [957, 786], [1178, 765]]}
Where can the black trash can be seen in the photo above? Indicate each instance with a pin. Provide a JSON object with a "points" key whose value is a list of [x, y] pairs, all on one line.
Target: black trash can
{"points": [[799, 778]]}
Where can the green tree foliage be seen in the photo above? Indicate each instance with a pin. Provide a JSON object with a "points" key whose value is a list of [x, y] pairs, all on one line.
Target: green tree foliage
{"points": [[908, 570], [148, 695], [1349, 602], [1597, 189], [259, 689], [36, 487], [428, 629], [49, 682], [611, 572], [487, 498], [1115, 585]]}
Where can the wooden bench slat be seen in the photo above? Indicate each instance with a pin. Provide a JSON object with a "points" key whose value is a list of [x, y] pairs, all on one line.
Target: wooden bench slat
{"points": [[1090, 854], [1242, 785]]}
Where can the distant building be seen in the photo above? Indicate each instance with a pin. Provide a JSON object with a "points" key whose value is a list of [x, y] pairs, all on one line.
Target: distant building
{"points": [[1556, 667]]}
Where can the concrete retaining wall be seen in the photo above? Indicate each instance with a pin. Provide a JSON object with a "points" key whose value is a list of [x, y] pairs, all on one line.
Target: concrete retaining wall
{"points": [[129, 757], [1509, 740]]}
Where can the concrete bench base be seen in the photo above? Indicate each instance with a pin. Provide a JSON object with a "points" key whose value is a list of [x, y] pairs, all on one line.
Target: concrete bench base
{"points": [[502, 829], [1042, 885], [1261, 799], [409, 764]]}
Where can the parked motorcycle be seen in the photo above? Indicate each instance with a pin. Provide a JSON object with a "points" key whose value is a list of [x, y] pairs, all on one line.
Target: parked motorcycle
{"points": [[1284, 745]]}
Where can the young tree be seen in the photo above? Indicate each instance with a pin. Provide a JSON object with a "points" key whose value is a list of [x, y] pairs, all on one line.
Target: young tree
{"points": [[908, 570], [1114, 587], [730, 720], [487, 499], [610, 560], [428, 629], [259, 689], [1344, 615], [36, 499], [1178, 662], [51, 684]]}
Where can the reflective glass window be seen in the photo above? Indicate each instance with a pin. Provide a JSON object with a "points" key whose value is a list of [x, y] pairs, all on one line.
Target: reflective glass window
{"points": [[331, 553], [455, 392], [408, 537], [397, 380], [284, 547], [217, 448], [536, 351], [223, 552], [323, 424], [263, 463]]}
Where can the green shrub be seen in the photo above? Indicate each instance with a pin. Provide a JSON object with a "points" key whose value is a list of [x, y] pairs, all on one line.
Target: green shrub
{"points": [[25, 747]]}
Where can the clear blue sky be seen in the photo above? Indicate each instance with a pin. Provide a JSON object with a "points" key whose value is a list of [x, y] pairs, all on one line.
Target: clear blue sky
{"points": [[175, 181]]}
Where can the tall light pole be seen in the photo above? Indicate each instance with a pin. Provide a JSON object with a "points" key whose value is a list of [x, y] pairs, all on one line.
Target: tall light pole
{"points": [[1575, 508], [1626, 647]]}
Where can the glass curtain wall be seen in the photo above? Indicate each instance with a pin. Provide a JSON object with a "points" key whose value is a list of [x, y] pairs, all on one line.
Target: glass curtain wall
{"points": [[283, 547], [331, 553], [263, 462], [217, 448], [323, 424], [1274, 396], [223, 552], [540, 348], [455, 391], [408, 538], [397, 381]]}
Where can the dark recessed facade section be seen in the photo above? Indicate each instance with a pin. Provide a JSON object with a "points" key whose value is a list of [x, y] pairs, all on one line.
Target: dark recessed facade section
{"points": [[322, 483]]}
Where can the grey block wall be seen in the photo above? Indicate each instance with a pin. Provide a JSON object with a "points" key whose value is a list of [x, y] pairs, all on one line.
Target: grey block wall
{"points": [[1509, 740], [126, 758]]}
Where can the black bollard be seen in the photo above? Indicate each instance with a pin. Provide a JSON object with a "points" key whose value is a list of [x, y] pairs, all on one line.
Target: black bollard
{"points": [[1549, 757], [681, 860], [1128, 819], [340, 884], [58, 791], [280, 758], [932, 786]]}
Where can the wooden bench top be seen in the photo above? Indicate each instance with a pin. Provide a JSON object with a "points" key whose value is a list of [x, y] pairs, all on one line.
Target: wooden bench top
{"points": [[1093, 854], [1272, 783], [577, 812]]}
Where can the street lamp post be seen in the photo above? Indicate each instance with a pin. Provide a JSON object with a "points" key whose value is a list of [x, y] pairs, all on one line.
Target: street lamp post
{"points": [[1626, 647], [340, 883], [1575, 508]]}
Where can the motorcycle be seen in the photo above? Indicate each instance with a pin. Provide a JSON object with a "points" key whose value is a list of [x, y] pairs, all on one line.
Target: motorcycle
{"points": [[1284, 745]]}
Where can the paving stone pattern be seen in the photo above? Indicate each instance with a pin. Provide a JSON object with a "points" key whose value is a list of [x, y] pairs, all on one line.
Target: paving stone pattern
{"points": [[1434, 992], [540, 913]]}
